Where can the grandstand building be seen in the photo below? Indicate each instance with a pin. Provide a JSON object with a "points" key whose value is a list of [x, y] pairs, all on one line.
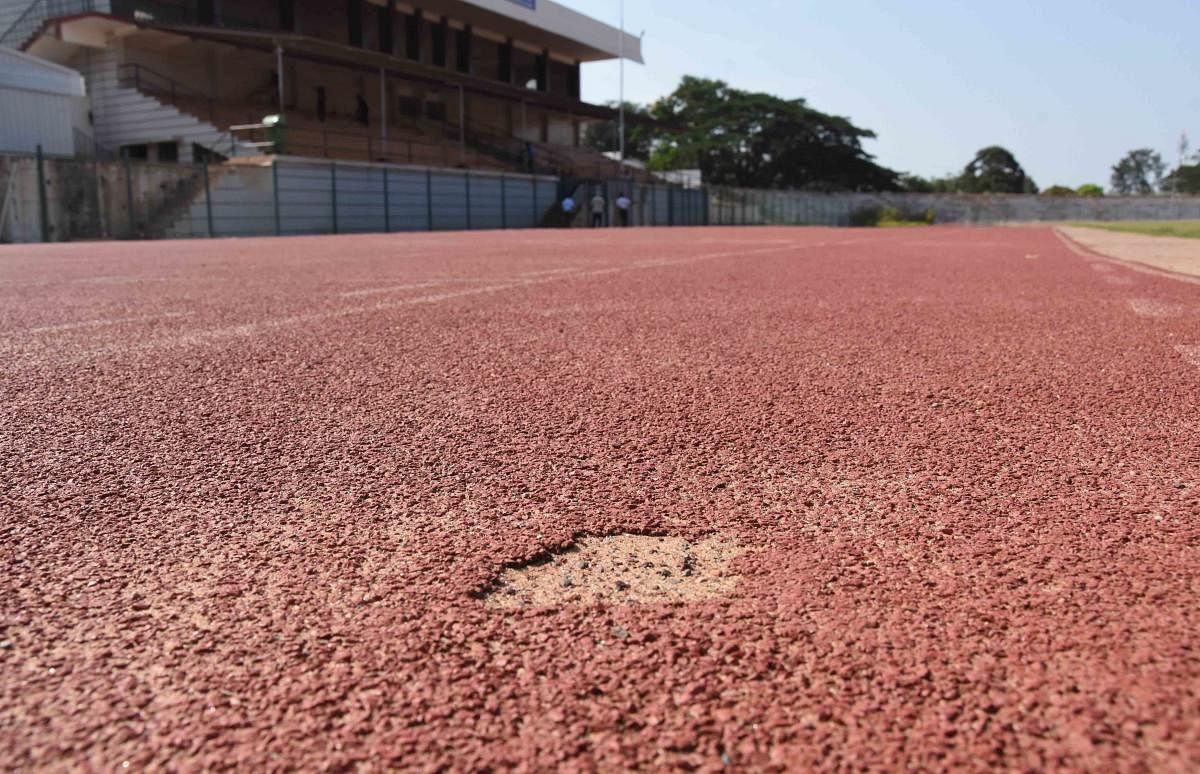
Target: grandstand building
{"points": [[482, 83]]}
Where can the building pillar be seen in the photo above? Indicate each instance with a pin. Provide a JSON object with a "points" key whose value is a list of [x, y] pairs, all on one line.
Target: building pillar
{"points": [[574, 86], [412, 29], [506, 61], [354, 22], [543, 71]]}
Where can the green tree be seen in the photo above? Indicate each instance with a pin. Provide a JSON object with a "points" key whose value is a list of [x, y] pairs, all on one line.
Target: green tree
{"points": [[1090, 189], [1140, 172], [1184, 180], [1059, 190], [758, 140], [639, 132], [917, 184], [995, 170]]}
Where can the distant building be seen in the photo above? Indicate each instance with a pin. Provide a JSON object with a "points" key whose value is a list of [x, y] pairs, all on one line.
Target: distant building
{"points": [[41, 103], [448, 82]]}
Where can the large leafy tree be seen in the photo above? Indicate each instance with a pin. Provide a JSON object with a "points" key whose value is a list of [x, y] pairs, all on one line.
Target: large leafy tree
{"points": [[1184, 180], [995, 170], [639, 132], [1140, 172], [758, 140]]}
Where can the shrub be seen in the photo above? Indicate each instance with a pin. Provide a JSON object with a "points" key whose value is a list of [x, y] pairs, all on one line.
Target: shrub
{"points": [[890, 216]]}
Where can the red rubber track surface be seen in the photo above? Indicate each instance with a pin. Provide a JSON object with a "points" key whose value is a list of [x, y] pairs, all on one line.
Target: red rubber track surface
{"points": [[249, 487]]}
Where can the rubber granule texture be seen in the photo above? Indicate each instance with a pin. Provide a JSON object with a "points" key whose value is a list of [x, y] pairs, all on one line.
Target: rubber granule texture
{"points": [[251, 488]]}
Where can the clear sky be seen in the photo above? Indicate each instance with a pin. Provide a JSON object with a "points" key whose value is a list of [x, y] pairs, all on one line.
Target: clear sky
{"points": [[1067, 85]]}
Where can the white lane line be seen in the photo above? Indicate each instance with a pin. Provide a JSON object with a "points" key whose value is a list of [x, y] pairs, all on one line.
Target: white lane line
{"points": [[1153, 308], [248, 329], [393, 288], [1190, 352]]}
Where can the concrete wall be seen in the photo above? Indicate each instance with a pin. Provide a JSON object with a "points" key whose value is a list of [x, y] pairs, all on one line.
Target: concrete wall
{"points": [[90, 200], [741, 206]]}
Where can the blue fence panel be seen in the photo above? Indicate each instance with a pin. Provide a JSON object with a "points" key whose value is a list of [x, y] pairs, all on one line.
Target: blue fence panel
{"points": [[408, 200], [359, 200], [486, 201], [305, 198], [448, 197]]}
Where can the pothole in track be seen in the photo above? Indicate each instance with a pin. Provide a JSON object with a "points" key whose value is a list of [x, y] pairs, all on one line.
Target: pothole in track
{"points": [[618, 569]]}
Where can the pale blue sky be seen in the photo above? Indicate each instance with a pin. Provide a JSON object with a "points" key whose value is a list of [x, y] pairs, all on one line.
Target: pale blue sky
{"points": [[1067, 85]]}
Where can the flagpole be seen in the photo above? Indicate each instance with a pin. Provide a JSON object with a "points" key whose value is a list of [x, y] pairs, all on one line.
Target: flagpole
{"points": [[621, 105]]}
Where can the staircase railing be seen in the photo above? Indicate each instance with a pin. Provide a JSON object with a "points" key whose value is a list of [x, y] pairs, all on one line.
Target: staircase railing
{"points": [[141, 78], [33, 18]]}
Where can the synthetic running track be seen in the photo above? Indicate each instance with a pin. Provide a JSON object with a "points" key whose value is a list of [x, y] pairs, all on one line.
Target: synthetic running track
{"points": [[249, 486]]}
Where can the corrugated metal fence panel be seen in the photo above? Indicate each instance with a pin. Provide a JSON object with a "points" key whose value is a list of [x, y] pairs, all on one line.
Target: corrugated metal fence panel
{"points": [[547, 194], [519, 202], [243, 202], [305, 198], [360, 200], [408, 201], [448, 192], [486, 203]]}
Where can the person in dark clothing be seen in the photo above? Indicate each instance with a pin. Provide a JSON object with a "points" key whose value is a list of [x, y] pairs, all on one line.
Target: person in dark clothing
{"points": [[362, 113], [321, 104]]}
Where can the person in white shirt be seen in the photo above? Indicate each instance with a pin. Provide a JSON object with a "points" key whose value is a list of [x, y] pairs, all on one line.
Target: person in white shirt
{"points": [[623, 204]]}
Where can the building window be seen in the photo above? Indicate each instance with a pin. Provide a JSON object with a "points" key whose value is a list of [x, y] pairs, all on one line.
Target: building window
{"points": [[139, 152], [168, 151]]}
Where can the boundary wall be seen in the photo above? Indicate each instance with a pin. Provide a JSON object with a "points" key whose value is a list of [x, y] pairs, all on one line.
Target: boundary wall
{"points": [[52, 199]]}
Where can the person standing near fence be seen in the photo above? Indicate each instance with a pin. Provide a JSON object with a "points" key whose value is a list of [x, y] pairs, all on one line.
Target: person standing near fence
{"points": [[623, 205], [598, 205]]}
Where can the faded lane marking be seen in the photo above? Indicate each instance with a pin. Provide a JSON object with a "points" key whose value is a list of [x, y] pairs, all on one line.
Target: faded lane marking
{"points": [[1190, 352], [398, 288], [249, 329], [1115, 280], [1150, 307]]}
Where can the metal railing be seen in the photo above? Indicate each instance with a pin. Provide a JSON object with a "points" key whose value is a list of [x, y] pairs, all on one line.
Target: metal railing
{"points": [[31, 21], [166, 12], [162, 87], [320, 142]]}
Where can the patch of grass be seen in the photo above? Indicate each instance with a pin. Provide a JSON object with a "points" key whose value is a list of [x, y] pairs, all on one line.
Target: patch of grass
{"points": [[890, 217], [1176, 228]]}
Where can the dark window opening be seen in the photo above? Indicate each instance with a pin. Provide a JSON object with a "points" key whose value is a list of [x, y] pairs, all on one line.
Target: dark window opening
{"points": [[287, 15], [354, 19], [168, 151], [387, 39], [438, 49], [139, 152], [462, 50], [412, 32], [506, 62], [409, 106]]}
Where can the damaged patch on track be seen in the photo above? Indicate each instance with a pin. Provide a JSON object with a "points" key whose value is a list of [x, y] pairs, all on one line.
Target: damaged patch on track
{"points": [[619, 569]]}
